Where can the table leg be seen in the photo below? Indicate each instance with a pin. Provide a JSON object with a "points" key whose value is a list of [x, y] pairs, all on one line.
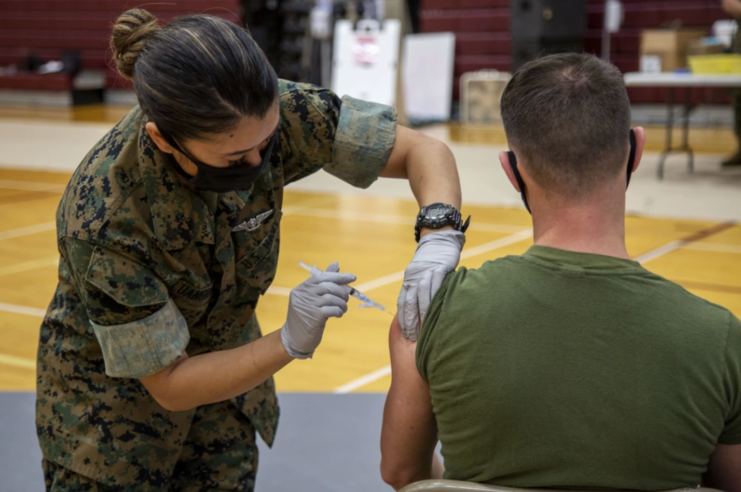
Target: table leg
{"points": [[669, 129], [685, 136]]}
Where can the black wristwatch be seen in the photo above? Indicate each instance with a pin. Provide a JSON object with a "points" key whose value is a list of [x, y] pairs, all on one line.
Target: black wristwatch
{"points": [[439, 215]]}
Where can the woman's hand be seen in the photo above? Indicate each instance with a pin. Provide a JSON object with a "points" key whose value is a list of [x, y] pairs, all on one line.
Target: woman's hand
{"points": [[437, 255], [311, 304]]}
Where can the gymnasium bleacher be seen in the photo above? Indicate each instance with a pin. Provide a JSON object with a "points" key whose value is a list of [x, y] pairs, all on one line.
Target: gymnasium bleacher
{"points": [[49, 27]]}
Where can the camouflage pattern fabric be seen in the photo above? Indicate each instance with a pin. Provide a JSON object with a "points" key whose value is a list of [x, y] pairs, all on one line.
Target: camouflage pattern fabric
{"points": [[133, 240], [60, 479]]}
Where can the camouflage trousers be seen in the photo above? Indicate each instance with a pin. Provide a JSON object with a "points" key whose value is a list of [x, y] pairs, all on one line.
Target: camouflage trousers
{"points": [[220, 453]]}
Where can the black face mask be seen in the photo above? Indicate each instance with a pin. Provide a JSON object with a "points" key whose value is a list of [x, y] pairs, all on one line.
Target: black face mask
{"points": [[222, 179], [521, 183]]}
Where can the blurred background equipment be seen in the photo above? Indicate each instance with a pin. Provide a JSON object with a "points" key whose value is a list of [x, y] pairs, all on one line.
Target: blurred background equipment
{"points": [[614, 15], [481, 93], [543, 27]]}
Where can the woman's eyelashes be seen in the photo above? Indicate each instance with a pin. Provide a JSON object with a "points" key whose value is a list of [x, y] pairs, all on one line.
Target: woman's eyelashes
{"points": [[239, 162]]}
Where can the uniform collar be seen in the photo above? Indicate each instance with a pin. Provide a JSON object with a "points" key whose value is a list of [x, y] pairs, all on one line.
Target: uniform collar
{"points": [[179, 216]]}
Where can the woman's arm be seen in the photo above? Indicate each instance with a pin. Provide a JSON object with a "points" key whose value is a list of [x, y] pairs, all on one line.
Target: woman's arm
{"points": [[429, 166], [217, 376]]}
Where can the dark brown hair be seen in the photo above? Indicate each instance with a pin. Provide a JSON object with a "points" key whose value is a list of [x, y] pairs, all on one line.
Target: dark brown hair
{"points": [[568, 117], [198, 75]]}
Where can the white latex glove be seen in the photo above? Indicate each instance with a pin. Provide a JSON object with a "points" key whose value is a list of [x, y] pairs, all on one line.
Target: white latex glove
{"points": [[311, 304], [437, 255]]}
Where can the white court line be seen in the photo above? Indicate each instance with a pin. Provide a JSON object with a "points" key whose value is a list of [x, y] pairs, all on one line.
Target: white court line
{"points": [[395, 277], [29, 265], [362, 381], [25, 231], [278, 291], [660, 251], [31, 186], [718, 247], [394, 219], [12, 308], [11, 360], [478, 250]]}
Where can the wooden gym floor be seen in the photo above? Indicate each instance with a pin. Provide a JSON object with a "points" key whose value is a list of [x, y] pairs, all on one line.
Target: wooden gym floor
{"points": [[369, 235], [703, 256]]}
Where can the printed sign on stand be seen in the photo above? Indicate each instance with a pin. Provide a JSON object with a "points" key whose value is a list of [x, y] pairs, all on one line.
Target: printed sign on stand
{"points": [[366, 60]]}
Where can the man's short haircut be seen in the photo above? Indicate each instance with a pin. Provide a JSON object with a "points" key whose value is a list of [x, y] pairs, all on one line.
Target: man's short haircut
{"points": [[568, 118]]}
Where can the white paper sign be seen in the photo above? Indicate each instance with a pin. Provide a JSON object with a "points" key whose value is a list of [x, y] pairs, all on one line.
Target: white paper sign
{"points": [[427, 75]]}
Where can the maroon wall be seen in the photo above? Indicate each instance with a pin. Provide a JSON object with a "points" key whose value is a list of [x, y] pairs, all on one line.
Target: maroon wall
{"points": [[48, 27]]}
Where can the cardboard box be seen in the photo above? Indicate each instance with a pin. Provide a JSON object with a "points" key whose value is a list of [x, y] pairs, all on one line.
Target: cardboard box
{"points": [[697, 48], [667, 48]]}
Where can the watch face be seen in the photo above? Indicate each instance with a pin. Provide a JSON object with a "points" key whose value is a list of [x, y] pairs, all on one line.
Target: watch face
{"points": [[436, 212]]}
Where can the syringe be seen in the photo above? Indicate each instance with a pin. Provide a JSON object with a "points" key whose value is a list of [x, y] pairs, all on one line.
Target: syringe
{"points": [[366, 301]]}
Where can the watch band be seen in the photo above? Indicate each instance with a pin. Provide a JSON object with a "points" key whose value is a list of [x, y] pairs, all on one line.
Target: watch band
{"points": [[450, 217]]}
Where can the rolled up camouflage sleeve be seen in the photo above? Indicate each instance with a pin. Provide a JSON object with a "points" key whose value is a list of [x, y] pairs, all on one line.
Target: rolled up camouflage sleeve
{"points": [[349, 138], [143, 347], [139, 328]]}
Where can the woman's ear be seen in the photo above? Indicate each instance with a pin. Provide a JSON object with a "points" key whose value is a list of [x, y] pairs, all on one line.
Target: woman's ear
{"points": [[159, 140]]}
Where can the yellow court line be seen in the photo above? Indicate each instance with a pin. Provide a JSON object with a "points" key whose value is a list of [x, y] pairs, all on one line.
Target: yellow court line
{"points": [[29, 265], [11, 360], [31, 186], [25, 231]]}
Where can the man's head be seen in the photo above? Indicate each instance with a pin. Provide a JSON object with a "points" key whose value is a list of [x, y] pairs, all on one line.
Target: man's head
{"points": [[567, 120]]}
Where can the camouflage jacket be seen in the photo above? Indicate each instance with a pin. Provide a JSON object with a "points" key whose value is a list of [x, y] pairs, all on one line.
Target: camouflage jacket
{"points": [[149, 269]]}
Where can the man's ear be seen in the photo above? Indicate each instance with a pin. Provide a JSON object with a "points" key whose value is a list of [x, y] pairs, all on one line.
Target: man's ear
{"points": [[640, 145], [507, 167], [159, 140]]}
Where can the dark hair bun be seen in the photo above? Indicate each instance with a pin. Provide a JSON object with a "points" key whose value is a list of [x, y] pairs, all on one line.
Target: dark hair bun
{"points": [[130, 33]]}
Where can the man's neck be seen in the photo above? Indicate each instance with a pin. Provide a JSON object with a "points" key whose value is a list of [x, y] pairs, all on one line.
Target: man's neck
{"points": [[597, 228]]}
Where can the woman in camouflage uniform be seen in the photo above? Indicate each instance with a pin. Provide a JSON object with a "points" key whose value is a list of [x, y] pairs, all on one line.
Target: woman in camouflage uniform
{"points": [[152, 371]]}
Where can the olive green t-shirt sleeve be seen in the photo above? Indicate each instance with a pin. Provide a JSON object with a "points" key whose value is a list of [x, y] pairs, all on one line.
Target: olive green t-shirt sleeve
{"points": [[732, 430], [349, 138], [433, 318], [139, 328]]}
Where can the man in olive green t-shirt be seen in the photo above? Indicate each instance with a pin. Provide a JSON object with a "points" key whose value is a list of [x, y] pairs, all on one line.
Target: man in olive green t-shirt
{"points": [[569, 366]]}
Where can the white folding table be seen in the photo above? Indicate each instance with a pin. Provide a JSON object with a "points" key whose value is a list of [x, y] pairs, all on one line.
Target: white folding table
{"points": [[686, 81]]}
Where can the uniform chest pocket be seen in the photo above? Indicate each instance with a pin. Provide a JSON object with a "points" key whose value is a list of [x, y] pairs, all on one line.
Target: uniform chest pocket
{"points": [[257, 254]]}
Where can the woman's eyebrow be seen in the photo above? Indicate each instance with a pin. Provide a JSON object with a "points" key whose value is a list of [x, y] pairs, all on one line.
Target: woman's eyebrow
{"points": [[247, 150]]}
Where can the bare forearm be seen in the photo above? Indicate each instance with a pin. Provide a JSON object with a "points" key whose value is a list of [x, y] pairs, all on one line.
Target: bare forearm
{"points": [[218, 376], [433, 175]]}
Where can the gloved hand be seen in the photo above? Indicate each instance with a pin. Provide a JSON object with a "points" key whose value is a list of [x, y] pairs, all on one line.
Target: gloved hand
{"points": [[311, 304], [437, 255]]}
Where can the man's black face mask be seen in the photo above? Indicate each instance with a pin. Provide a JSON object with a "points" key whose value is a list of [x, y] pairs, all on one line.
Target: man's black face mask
{"points": [[222, 179], [521, 183]]}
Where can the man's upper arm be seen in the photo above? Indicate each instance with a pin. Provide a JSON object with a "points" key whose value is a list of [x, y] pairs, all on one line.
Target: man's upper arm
{"points": [[409, 432], [724, 469], [139, 328]]}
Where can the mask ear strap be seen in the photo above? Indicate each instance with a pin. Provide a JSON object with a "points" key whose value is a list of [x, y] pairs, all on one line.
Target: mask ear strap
{"points": [[520, 182], [632, 157]]}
